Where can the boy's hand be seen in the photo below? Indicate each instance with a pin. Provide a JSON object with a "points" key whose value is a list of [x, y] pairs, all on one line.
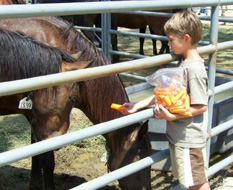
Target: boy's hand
{"points": [[163, 113], [129, 108]]}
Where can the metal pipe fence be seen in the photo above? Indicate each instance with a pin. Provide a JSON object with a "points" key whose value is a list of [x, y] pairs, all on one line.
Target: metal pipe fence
{"points": [[61, 9], [8, 88]]}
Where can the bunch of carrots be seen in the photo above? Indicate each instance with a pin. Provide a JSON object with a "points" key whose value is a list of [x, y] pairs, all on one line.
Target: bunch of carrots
{"points": [[174, 99]]}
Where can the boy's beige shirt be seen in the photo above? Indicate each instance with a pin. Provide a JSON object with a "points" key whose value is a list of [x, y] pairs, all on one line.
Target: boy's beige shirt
{"points": [[192, 132]]}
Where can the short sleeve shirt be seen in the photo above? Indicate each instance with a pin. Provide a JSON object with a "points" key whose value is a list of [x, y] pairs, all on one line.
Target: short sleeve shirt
{"points": [[192, 131]]}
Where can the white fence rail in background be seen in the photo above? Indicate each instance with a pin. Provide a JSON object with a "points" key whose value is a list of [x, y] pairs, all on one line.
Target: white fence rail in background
{"points": [[8, 88]]}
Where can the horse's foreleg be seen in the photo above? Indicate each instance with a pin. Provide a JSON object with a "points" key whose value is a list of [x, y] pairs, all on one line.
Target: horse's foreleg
{"points": [[48, 165], [141, 40], [43, 162], [36, 174]]}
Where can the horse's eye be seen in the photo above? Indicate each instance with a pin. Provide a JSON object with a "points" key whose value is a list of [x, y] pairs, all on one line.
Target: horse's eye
{"points": [[73, 99]]}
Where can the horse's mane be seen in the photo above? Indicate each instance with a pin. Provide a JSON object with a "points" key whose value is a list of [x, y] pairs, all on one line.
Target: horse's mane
{"points": [[23, 57], [78, 42], [105, 89]]}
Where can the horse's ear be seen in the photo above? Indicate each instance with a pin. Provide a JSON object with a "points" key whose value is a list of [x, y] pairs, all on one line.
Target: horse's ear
{"points": [[74, 66]]}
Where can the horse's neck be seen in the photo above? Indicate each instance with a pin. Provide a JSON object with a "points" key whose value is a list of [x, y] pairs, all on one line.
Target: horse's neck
{"points": [[11, 2], [99, 96]]}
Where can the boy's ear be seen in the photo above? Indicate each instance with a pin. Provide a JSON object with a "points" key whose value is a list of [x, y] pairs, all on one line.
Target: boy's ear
{"points": [[187, 38]]}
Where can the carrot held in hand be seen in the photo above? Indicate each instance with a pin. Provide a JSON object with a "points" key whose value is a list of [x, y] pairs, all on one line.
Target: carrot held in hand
{"points": [[117, 107]]}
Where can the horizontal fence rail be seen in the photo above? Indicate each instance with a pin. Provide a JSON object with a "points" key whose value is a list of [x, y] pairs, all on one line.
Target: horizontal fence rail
{"points": [[19, 86], [60, 9]]}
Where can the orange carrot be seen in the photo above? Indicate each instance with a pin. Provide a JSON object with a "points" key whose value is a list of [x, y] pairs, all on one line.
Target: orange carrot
{"points": [[179, 103], [178, 110], [178, 96], [187, 102], [117, 107], [186, 113], [167, 100]]}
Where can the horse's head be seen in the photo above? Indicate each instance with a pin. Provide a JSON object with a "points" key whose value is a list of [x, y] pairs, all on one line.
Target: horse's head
{"points": [[52, 108], [135, 147]]}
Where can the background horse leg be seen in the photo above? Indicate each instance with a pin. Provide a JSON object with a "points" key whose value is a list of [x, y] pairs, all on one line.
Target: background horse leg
{"points": [[164, 47], [141, 40], [89, 21], [115, 58], [154, 43]]}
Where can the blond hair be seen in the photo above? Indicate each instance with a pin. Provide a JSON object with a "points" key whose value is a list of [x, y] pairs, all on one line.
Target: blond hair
{"points": [[185, 22]]}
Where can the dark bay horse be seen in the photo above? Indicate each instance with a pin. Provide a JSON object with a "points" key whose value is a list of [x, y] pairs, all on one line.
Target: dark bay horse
{"points": [[155, 24], [93, 97], [23, 57]]}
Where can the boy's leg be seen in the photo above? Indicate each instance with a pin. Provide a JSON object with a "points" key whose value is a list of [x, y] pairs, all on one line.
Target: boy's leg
{"points": [[204, 186], [189, 165]]}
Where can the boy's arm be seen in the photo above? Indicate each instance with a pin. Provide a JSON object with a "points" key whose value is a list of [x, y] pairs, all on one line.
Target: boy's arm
{"points": [[134, 107], [163, 113]]}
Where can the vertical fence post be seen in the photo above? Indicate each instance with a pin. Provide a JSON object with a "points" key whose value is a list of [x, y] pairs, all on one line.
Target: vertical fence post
{"points": [[212, 69], [105, 35]]}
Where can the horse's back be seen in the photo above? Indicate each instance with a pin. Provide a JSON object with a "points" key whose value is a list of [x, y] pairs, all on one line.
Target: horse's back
{"points": [[40, 28]]}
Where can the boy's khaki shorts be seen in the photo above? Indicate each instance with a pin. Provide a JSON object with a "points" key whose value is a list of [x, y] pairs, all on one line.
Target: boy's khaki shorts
{"points": [[189, 165]]}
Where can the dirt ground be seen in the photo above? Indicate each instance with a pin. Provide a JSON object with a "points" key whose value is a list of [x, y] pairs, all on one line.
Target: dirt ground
{"points": [[78, 163]]}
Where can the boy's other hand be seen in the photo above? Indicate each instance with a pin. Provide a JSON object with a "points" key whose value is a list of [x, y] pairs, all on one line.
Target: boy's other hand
{"points": [[162, 113]]}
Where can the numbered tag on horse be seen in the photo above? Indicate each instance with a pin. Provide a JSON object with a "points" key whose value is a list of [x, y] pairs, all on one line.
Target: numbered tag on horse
{"points": [[25, 104]]}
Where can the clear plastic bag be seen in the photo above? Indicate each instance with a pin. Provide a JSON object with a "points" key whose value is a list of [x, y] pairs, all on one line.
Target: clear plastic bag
{"points": [[171, 89]]}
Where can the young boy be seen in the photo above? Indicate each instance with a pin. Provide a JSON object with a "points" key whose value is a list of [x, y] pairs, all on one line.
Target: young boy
{"points": [[187, 135]]}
